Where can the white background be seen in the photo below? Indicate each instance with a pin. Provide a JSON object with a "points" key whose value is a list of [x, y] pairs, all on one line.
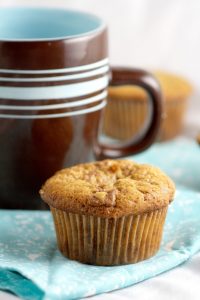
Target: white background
{"points": [[152, 34]]}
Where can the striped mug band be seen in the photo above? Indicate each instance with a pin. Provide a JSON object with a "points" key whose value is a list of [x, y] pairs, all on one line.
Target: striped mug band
{"points": [[76, 82], [57, 115], [72, 104], [67, 85], [77, 69]]}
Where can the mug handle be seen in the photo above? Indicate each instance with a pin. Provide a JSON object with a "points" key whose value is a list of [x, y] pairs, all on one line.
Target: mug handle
{"points": [[141, 78]]}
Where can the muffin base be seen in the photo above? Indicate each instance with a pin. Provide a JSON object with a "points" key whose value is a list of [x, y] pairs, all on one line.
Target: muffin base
{"points": [[109, 241], [172, 124], [125, 119]]}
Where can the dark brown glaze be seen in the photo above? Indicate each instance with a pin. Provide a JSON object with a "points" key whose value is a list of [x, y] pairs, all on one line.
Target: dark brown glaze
{"points": [[55, 54], [124, 76], [51, 140], [32, 150]]}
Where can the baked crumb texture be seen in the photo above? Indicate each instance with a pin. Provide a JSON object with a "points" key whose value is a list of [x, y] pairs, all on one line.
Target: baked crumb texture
{"points": [[109, 189]]}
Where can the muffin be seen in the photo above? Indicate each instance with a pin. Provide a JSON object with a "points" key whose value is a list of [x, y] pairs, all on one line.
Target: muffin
{"points": [[198, 138], [110, 212], [127, 108]]}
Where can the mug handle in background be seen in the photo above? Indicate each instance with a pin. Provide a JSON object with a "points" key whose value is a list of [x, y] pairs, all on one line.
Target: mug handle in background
{"points": [[145, 80]]}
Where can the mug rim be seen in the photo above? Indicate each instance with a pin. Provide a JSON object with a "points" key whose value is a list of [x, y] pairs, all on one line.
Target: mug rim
{"points": [[102, 24]]}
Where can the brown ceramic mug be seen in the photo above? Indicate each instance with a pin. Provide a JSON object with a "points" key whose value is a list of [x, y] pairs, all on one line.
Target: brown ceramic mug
{"points": [[54, 74]]}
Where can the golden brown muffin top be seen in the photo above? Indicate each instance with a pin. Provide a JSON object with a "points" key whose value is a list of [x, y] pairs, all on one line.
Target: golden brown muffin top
{"points": [[173, 87], [109, 188]]}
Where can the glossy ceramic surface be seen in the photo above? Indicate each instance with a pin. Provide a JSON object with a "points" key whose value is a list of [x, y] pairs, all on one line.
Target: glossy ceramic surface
{"points": [[54, 75]]}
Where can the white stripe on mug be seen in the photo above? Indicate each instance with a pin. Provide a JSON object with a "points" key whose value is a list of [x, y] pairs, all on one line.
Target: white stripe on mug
{"points": [[92, 73], [71, 104], [54, 92], [64, 70], [59, 115]]}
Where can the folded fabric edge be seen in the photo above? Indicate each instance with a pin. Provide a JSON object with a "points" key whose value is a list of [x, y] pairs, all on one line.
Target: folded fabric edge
{"points": [[177, 260], [19, 285]]}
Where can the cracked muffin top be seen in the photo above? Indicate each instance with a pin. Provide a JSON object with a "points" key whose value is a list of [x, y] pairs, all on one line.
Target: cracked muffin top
{"points": [[109, 188]]}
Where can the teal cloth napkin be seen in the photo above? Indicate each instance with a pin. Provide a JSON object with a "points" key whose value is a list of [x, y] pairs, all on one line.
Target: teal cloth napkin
{"points": [[32, 267]]}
